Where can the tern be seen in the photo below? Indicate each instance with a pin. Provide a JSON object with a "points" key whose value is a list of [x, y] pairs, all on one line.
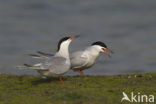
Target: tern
{"points": [[58, 64], [85, 59], [81, 60]]}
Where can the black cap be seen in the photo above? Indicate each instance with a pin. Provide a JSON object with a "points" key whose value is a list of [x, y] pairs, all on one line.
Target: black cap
{"points": [[100, 44], [62, 40]]}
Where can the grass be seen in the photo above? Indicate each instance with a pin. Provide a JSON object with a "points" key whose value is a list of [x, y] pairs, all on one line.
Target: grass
{"points": [[27, 89]]}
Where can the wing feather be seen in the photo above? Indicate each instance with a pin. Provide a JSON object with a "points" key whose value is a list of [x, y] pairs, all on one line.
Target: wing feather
{"points": [[57, 65], [78, 59]]}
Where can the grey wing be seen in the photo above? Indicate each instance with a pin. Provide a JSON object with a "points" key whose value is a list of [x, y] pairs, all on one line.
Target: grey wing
{"points": [[42, 55], [78, 59], [57, 65], [45, 54]]}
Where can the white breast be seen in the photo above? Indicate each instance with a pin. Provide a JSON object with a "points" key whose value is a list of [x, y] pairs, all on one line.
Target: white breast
{"points": [[91, 60]]}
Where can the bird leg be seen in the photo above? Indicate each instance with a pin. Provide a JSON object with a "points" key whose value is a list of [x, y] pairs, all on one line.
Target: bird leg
{"points": [[61, 80], [80, 72]]}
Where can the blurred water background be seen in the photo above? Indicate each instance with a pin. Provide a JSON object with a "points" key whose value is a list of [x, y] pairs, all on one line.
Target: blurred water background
{"points": [[126, 26]]}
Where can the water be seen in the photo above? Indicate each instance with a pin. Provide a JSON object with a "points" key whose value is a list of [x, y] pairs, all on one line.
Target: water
{"points": [[126, 26]]}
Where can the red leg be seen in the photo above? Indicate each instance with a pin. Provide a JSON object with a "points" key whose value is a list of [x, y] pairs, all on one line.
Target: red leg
{"points": [[61, 80], [81, 72]]}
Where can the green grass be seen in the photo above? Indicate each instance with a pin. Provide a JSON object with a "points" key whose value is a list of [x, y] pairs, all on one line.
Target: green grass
{"points": [[27, 89]]}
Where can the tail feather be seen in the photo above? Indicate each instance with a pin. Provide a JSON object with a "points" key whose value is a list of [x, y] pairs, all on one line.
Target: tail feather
{"points": [[45, 54], [37, 56], [28, 65], [37, 67], [34, 55], [25, 66]]}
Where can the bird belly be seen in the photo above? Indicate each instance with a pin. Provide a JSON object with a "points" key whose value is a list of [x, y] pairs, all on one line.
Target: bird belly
{"points": [[49, 73], [89, 64], [45, 73]]}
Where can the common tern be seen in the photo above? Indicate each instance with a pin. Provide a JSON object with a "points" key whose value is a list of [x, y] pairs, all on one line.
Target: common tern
{"points": [[58, 64], [85, 59]]}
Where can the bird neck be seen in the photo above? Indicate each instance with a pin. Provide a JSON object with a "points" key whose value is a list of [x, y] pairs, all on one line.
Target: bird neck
{"points": [[63, 51], [93, 52]]}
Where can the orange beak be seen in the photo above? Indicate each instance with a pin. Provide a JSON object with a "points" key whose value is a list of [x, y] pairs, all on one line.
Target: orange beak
{"points": [[72, 37], [110, 50], [105, 52]]}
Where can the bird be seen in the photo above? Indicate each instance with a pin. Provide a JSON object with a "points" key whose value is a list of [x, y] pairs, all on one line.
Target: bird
{"points": [[81, 60], [84, 59], [58, 64]]}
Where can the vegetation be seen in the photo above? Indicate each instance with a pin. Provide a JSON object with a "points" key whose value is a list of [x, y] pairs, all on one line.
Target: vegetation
{"points": [[28, 89]]}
